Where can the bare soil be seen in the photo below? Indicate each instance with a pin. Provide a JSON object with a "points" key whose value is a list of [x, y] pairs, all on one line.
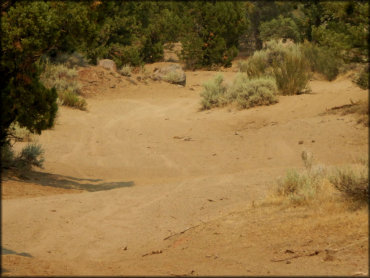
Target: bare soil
{"points": [[144, 183]]}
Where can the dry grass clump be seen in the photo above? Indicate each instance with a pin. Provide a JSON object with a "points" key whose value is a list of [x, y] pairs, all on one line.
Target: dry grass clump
{"points": [[71, 99], [63, 79]]}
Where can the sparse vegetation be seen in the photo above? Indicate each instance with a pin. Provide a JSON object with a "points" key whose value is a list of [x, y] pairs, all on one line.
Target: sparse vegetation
{"points": [[310, 185], [353, 182], [63, 79], [360, 108]]}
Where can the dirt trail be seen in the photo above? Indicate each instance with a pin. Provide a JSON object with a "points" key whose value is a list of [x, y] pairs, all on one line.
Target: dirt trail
{"points": [[144, 163]]}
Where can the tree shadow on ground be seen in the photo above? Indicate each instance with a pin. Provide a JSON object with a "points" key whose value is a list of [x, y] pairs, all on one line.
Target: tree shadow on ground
{"points": [[5, 251], [67, 182]]}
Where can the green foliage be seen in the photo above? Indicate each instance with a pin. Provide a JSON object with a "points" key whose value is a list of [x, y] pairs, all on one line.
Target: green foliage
{"points": [[7, 156], [362, 79], [212, 33], [279, 28], [214, 93], [252, 92], [322, 60], [71, 60], [28, 30]]}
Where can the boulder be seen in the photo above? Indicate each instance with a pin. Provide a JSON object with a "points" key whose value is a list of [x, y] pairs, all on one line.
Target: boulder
{"points": [[108, 64], [172, 73]]}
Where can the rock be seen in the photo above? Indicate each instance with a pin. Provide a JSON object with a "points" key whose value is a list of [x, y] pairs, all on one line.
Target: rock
{"points": [[173, 74], [108, 64]]}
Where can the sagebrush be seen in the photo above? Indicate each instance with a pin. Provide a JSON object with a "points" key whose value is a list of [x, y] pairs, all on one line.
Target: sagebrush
{"points": [[246, 92], [64, 80], [214, 93], [284, 62]]}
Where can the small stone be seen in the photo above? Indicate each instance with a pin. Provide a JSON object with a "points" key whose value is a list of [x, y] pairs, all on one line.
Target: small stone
{"points": [[300, 142]]}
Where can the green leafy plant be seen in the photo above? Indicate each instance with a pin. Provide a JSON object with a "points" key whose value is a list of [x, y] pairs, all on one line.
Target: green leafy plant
{"points": [[322, 60]]}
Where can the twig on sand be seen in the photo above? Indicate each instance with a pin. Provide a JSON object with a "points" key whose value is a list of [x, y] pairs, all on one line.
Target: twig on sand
{"points": [[181, 232], [296, 256]]}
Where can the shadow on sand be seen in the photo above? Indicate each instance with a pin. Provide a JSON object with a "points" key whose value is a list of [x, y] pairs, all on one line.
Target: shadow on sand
{"points": [[67, 182], [5, 251]]}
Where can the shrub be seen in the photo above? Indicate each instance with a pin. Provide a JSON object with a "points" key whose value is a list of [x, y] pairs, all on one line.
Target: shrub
{"points": [[300, 188], [31, 155], [322, 60], [71, 99], [352, 182], [362, 79], [71, 60], [257, 65], [284, 62], [126, 70], [174, 77], [63, 79], [252, 92], [60, 77], [214, 93], [291, 70]]}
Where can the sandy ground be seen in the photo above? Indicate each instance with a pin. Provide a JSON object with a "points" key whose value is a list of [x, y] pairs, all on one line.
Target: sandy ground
{"points": [[144, 183]]}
